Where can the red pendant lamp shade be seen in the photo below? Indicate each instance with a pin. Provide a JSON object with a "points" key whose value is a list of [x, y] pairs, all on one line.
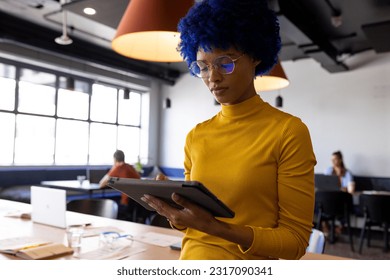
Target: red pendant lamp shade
{"points": [[148, 30], [274, 80]]}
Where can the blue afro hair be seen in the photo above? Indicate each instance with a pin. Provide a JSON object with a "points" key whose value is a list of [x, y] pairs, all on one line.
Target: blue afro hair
{"points": [[247, 25]]}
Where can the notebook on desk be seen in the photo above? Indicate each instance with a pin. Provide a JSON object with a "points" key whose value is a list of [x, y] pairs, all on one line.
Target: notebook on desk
{"points": [[49, 208], [326, 182]]}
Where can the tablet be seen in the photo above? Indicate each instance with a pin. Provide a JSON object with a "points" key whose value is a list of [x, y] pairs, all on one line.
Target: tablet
{"points": [[163, 189]]}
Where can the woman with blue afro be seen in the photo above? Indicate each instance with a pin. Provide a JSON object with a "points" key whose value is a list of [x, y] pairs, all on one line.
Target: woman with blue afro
{"points": [[255, 158]]}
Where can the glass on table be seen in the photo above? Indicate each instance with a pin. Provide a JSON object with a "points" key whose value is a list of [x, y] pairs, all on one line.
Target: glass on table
{"points": [[74, 235], [81, 179]]}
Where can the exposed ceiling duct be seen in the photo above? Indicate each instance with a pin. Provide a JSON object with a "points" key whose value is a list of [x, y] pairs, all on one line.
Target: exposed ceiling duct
{"points": [[311, 42]]}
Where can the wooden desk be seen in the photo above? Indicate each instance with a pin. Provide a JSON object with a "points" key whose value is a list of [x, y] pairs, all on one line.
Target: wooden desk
{"points": [[14, 227], [356, 195], [314, 256]]}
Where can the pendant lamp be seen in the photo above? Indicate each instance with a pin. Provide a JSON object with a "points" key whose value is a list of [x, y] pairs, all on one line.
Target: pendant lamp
{"points": [[274, 80], [64, 38], [279, 101], [148, 30]]}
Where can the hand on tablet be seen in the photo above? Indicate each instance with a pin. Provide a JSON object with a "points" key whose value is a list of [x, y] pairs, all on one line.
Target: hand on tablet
{"points": [[191, 215], [194, 216]]}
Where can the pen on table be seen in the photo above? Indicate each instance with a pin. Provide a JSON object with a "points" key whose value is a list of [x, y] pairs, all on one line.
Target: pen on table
{"points": [[32, 246], [78, 225]]}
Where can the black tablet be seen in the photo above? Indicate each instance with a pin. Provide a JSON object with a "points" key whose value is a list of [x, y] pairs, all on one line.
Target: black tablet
{"points": [[163, 189]]}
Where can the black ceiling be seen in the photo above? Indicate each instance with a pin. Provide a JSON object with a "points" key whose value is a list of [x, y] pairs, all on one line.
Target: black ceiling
{"points": [[306, 29]]}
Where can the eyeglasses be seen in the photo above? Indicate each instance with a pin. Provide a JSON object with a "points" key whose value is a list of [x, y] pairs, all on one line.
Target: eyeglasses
{"points": [[109, 239], [223, 64]]}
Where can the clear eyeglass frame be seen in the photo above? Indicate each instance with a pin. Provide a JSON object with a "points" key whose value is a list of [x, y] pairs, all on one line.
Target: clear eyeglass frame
{"points": [[109, 239], [224, 65]]}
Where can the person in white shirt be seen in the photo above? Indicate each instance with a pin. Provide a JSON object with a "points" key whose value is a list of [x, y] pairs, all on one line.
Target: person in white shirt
{"points": [[338, 168]]}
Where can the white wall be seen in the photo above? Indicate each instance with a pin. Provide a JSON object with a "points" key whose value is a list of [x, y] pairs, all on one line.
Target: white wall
{"points": [[347, 111], [191, 103]]}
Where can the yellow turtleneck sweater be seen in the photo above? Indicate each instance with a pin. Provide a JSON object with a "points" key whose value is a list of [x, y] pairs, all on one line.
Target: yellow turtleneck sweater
{"points": [[260, 162]]}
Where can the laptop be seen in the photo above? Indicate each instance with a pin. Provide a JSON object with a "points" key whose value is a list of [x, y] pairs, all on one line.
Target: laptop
{"points": [[49, 208], [326, 182]]}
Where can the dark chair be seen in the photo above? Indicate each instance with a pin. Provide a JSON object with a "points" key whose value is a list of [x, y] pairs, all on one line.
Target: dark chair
{"points": [[99, 207], [134, 212], [332, 206], [376, 212], [159, 221]]}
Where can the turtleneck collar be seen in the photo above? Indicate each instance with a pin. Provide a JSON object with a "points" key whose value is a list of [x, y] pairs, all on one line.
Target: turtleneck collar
{"points": [[244, 108]]}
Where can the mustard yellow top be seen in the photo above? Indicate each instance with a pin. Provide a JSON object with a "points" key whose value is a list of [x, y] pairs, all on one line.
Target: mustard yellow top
{"points": [[259, 161]]}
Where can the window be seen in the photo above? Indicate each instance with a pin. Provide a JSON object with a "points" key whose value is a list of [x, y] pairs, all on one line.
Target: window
{"points": [[7, 122], [7, 96], [129, 110], [71, 142], [34, 141], [37, 92], [104, 103], [129, 142], [102, 143], [7, 83], [73, 104], [48, 118]]}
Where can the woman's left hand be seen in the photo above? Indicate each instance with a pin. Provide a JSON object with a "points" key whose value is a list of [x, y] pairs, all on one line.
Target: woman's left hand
{"points": [[191, 215]]}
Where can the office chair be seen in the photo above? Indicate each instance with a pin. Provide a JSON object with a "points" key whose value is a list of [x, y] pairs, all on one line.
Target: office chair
{"points": [[332, 206], [316, 242], [99, 207], [376, 211]]}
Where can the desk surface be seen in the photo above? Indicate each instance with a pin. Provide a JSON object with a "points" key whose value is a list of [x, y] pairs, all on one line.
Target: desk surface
{"points": [[16, 227], [85, 186], [376, 192]]}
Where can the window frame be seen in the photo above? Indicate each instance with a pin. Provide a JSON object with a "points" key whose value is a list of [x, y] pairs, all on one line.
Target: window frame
{"points": [[90, 82]]}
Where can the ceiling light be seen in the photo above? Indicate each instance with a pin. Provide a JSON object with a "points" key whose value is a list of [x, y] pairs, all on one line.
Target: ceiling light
{"points": [[63, 39], [336, 18], [274, 80], [70, 83], [126, 94], [279, 101], [148, 30], [89, 11]]}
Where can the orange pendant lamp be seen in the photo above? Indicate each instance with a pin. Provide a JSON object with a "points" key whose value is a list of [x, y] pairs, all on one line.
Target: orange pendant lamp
{"points": [[148, 30], [274, 80]]}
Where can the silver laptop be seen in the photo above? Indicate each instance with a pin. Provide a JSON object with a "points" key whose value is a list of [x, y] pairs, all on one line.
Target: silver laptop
{"points": [[326, 182], [49, 208]]}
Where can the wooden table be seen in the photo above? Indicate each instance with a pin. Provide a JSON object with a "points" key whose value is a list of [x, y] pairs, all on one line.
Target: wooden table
{"points": [[11, 227], [14, 227]]}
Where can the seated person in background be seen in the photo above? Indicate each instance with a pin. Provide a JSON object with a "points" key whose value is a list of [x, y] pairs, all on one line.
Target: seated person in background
{"points": [[120, 169], [346, 178]]}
